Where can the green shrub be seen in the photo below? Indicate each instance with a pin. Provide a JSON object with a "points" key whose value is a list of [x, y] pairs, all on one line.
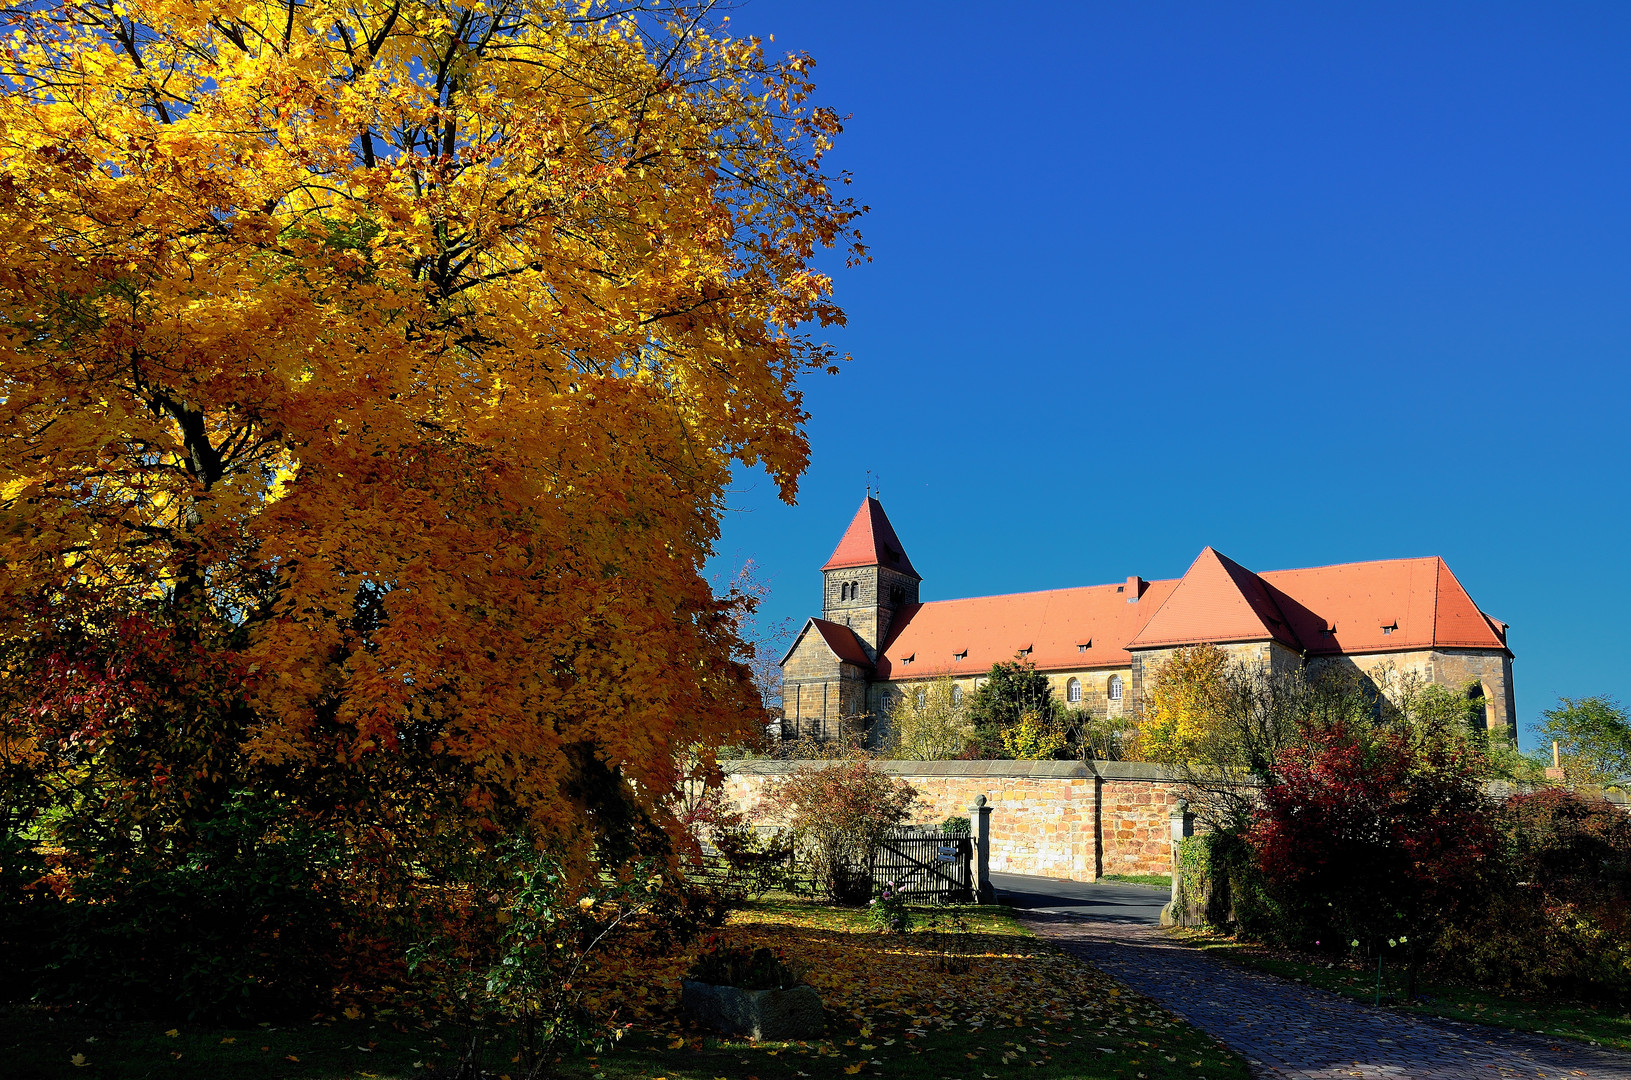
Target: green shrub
{"points": [[746, 969], [888, 910], [1557, 917], [243, 927], [1220, 885]]}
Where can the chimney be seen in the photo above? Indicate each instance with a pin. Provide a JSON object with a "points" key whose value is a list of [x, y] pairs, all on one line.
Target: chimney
{"points": [[1135, 588]]}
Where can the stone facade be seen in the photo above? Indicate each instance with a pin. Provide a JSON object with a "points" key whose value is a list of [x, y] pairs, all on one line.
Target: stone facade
{"points": [[1459, 669], [1146, 662], [865, 599], [819, 696], [1061, 819]]}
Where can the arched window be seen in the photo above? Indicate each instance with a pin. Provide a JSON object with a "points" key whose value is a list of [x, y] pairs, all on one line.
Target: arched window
{"points": [[1478, 707], [1115, 688], [956, 694], [1073, 691], [922, 698]]}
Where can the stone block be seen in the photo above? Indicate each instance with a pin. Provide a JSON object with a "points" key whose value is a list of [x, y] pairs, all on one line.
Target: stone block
{"points": [[758, 1014]]}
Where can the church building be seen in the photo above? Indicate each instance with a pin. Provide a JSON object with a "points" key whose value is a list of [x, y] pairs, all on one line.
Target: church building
{"points": [[1097, 644]]}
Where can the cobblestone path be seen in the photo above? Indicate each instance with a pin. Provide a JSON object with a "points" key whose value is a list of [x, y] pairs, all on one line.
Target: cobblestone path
{"points": [[1287, 1030]]}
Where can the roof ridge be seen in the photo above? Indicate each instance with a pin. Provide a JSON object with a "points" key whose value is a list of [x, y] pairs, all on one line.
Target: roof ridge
{"points": [[1438, 583], [1351, 562], [1040, 592]]}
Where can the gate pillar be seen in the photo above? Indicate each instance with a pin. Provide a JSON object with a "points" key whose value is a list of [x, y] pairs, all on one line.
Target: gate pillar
{"points": [[979, 822]]}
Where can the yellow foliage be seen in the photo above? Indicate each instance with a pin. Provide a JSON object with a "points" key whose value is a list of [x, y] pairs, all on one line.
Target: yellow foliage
{"points": [[1031, 740], [1179, 706], [928, 723], [417, 340]]}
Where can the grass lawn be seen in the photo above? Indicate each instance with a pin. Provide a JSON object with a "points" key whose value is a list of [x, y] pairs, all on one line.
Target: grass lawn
{"points": [[1160, 881], [1599, 1023], [1010, 1005]]}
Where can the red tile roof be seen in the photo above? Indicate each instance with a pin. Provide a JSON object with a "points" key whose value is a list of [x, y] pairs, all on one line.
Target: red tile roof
{"points": [[870, 541], [1419, 599], [839, 638], [1217, 600], [1055, 625]]}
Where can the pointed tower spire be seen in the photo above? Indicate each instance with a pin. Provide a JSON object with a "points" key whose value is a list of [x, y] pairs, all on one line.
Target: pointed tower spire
{"points": [[869, 578], [871, 541]]}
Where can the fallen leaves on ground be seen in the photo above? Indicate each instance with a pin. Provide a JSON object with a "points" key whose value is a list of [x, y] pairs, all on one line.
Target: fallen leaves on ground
{"points": [[889, 996]]}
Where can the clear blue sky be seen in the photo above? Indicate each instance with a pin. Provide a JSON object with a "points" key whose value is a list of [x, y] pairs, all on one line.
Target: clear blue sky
{"points": [[1310, 283]]}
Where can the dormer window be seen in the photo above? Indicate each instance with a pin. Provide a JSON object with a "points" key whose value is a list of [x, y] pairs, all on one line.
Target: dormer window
{"points": [[1083, 646], [1026, 651], [908, 659], [960, 655], [1388, 629]]}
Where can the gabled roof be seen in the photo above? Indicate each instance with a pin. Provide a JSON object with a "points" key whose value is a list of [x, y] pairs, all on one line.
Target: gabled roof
{"points": [[1382, 607], [871, 541], [1216, 600], [1064, 628], [839, 638], [1369, 607]]}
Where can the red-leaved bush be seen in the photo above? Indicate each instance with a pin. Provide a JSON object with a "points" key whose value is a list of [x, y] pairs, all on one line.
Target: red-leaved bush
{"points": [[839, 811], [1369, 836]]}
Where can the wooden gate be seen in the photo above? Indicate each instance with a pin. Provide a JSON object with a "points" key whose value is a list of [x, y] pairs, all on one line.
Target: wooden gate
{"points": [[925, 865]]}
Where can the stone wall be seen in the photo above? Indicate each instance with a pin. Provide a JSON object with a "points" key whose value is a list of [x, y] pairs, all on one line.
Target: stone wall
{"points": [[1058, 819]]}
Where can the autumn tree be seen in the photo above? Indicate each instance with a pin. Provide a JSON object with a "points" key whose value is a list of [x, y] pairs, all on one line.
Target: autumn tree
{"points": [[1593, 735], [1011, 691], [928, 722], [1365, 835], [1222, 724], [1182, 703], [370, 375]]}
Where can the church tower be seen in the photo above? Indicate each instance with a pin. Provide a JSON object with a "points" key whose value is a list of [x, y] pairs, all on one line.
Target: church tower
{"points": [[868, 579]]}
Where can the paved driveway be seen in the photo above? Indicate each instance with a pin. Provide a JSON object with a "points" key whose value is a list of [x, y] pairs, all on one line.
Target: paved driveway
{"points": [[1108, 901], [1284, 1029]]}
